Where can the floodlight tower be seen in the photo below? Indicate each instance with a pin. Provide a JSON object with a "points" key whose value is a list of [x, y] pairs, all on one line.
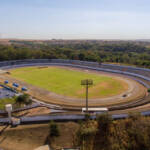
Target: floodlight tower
{"points": [[8, 108], [87, 83]]}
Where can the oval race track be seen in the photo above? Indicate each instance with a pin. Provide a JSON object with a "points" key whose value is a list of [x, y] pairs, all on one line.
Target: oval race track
{"points": [[140, 75]]}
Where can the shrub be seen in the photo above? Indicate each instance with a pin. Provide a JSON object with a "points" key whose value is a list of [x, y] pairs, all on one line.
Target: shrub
{"points": [[54, 131], [87, 117], [104, 122], [23, 99]]}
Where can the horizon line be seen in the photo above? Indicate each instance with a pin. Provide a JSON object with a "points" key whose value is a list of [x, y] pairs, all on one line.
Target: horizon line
{"points": [[97, 39]]}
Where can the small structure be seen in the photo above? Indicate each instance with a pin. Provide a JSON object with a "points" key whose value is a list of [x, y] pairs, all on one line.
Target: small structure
{"points": [[6, 82], [8, 108], [95, 110], [24, 89], [15, 85]]}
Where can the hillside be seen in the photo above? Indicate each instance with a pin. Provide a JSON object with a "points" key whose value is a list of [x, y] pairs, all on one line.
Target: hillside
{"points": [[105, 134]]}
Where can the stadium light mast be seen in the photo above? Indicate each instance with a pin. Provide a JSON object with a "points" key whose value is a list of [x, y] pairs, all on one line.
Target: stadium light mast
{"points": [[87, 83]]}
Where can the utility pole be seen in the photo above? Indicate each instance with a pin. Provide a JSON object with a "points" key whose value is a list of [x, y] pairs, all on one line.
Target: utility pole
{"points": [[87, 83]]}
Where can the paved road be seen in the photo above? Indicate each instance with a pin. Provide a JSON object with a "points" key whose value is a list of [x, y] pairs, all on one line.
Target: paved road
{"points": [[60, 118]]}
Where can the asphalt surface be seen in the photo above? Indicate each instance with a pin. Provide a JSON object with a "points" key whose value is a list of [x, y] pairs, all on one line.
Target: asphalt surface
{"points": [[6, 93], [63, 118]]}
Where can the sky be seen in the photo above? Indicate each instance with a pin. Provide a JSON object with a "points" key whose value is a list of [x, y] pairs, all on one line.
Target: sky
{"points": [[75, 19]]}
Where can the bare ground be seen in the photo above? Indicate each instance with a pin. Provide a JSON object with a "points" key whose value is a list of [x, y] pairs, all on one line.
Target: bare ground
{"points": [[29, 137]]}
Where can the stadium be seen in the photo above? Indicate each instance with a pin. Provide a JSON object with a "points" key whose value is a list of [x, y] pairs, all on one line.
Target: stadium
{"points": [[58, 95], [58, 82]]}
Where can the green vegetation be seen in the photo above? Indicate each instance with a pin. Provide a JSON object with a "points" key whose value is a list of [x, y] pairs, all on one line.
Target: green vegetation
{"points": [[54, 131], [105, 134], [86, 135], [16, 101], [67, 82], [5, 101], [126, 52], [23, 99]]}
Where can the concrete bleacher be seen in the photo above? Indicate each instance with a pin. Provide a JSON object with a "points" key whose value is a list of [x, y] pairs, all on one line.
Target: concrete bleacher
{"points": [[142, 73]]}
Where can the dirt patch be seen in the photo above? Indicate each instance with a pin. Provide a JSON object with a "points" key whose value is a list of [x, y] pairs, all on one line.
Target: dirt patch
{"points": [[24, 137], [42, 67], [33, 111], [104, 86], [30, 137]]}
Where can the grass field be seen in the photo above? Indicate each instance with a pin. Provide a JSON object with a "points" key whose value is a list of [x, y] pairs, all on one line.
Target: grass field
{"points": [[5, 101], [66, 82]]}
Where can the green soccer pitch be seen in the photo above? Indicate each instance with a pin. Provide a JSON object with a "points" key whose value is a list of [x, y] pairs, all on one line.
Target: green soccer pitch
{"points": [[67, 82]]}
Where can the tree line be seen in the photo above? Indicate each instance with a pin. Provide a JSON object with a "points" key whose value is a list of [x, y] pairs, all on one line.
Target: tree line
{"points": [[104, 133], [107, 134], [124, 52]]}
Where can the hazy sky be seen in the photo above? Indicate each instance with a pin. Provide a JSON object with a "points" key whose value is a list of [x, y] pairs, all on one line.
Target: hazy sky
{"points": [[75, 19]]}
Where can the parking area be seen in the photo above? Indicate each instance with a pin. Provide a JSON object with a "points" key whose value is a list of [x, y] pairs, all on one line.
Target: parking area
{"points": [[5, 93]]}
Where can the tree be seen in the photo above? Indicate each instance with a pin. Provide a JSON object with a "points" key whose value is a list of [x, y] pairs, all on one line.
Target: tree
{"points": [[54, 131], [104, 122], [99, 60], [23, 99], [102, 138], [81, 56], [100, 51], [86, 134]]}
